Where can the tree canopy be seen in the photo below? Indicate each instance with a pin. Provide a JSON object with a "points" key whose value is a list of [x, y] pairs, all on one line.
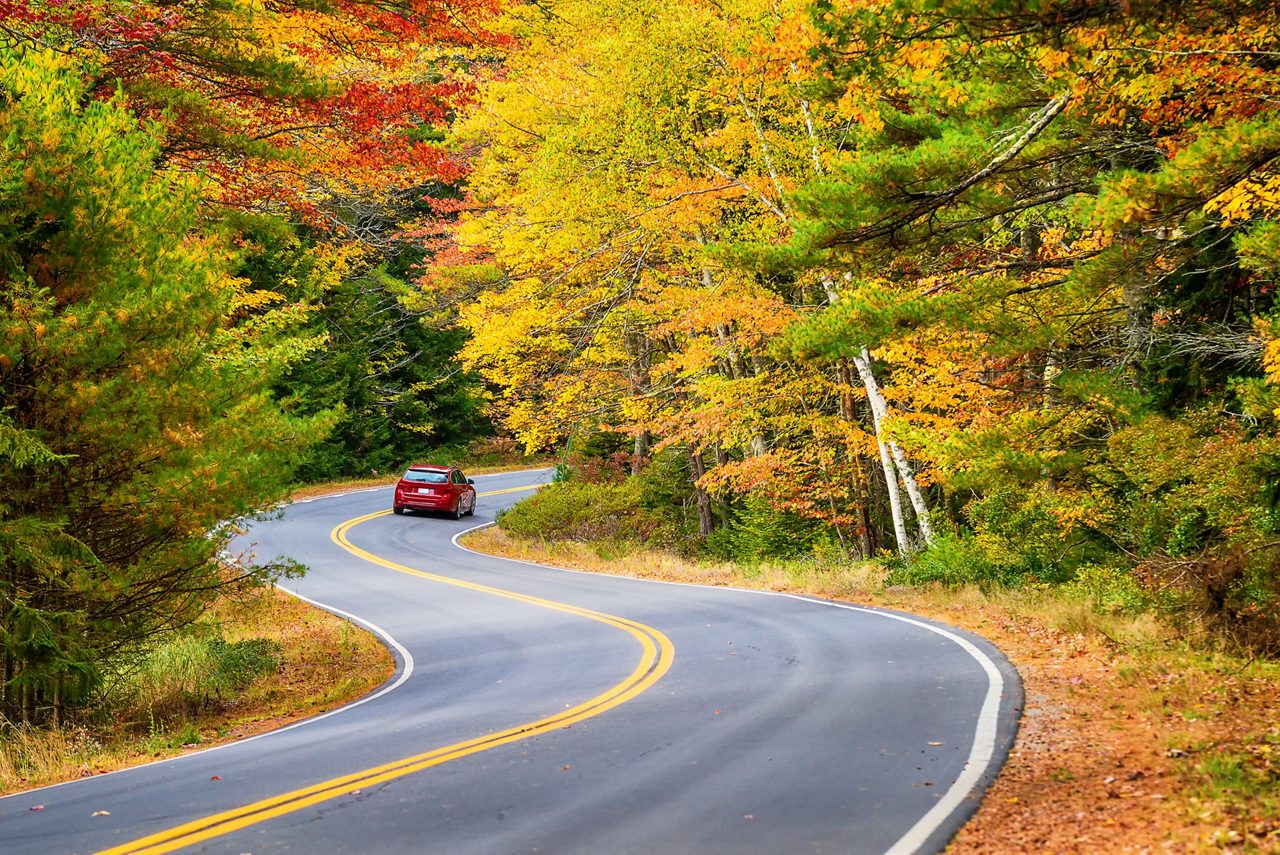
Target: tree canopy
{"points": [[907, 278], [137, 424], [1014, 261]]}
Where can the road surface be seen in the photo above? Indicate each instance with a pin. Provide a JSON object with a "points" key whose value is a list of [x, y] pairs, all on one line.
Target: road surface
{"points": [[546, 711]]}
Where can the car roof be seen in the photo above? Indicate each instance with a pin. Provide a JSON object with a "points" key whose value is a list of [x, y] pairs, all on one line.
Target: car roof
{"points": [[429, 467]]}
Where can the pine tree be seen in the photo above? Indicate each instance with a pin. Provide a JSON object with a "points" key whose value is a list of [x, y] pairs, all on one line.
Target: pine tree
{"points": [[135, 423]]}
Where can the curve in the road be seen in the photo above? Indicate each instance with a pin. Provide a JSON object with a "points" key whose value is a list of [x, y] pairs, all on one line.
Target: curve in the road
{"points": [[657, 654], [985, 732], [841, 731]]}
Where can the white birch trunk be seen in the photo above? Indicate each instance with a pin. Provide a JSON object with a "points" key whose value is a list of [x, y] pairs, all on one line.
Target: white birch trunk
{"points": [[890, 480], [886, 459], [892, 457], [879, 412]]}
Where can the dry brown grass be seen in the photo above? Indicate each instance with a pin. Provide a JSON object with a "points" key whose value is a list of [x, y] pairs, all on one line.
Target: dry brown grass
{"points": [[827, 580], [327, 662]]}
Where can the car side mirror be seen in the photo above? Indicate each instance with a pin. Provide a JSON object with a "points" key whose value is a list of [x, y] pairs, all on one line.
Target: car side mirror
{"points": [[470, 481]]}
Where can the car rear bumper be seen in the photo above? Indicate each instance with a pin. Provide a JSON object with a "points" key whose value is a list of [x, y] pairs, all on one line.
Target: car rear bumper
{"points": [[424, 502]]}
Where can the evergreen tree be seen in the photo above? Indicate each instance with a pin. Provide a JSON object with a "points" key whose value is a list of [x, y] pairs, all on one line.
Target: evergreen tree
{"points": [[135, 422]]}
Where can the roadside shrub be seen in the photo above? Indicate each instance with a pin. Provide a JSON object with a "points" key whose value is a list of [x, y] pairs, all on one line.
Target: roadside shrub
{"points": [[1030, 533], [1186, 487], [1196, 501], [190, 672], [1111, 590], [666, 489], [953, 561], [239, 663], [585, 512]]}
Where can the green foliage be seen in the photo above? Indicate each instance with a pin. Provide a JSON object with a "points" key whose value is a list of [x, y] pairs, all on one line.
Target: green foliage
{"points": [[1113, 590], [136, 425], [1180, 487], [1024, 532], [585, 512], [236, 664], [189, 673], [954, 561], [757, 531], [386, 380]]}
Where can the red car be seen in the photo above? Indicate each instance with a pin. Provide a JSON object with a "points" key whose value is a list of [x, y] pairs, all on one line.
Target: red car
{"points": [[435, 488]]}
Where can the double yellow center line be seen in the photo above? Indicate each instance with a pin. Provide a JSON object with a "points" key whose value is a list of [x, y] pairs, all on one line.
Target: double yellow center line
{"points": [[656, 655]]}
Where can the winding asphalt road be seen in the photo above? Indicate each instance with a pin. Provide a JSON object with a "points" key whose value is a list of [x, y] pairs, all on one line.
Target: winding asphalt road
{"points": [[545, 711]]}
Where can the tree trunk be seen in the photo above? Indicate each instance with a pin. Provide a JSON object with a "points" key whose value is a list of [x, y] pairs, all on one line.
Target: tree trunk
{"points": [[706, 522], [720, 507], [1050, 400], [895, 499], [640, 451], [862, 491], [880, 411], [866, 537]]}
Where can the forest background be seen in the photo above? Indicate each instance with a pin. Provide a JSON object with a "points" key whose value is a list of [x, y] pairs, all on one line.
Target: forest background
{"points": [[982, 291]]}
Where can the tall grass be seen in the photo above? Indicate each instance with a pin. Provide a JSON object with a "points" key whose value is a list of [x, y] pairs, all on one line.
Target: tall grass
{"points": [[190, 673], [28, 753], [221, 680], [148, 706]]}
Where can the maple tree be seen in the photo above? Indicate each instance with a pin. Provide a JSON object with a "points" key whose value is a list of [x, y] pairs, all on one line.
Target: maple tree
{"points": [[602, 305], [989, 246], [320, 111]]}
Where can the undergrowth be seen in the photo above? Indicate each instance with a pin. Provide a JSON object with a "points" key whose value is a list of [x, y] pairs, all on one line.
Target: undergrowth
{"points": [[222, 679]]}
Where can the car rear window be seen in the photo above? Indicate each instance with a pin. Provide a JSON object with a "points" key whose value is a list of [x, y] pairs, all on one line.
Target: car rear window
{"points": [[422, 477]]}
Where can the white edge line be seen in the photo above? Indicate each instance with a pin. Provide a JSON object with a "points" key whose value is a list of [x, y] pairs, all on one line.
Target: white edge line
{"points": [[406, 657], [984, 740], [386, 637]]}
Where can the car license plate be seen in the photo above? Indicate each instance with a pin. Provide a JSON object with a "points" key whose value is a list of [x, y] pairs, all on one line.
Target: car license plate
{"points": [[425, 490]]}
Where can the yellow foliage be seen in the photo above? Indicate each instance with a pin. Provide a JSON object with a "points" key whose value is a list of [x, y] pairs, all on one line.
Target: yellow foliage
{"points": [[1256, 195], [1270, 332]]}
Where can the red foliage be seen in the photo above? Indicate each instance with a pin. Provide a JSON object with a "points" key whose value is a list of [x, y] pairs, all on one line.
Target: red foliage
{"points": [[273, 117]]}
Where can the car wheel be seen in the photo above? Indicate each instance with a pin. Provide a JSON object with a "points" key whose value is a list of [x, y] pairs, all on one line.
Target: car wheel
{"points": [[397, 510], [456, 513], [472, 510]]}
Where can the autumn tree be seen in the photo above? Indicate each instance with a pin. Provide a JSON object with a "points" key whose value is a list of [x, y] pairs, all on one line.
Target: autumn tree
{"points": [[623, 147], [135, 419], [317, 131], [1055, 224], [324, 112]]}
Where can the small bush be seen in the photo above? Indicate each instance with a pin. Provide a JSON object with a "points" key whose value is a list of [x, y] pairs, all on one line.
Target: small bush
{"points": [[1021, 533], [953, 561], [1111, 590], [758, 531], [188, 673], [239, 663], [585, 512]]}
